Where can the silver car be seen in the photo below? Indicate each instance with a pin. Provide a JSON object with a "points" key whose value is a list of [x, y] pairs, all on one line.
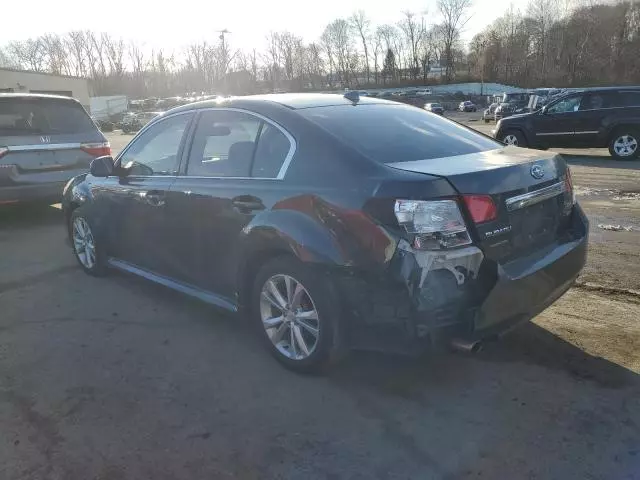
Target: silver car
{"points": [[45, 140]]}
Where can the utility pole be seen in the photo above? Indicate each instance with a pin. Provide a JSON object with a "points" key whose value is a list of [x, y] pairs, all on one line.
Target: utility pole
{"points": [[224, 53]]}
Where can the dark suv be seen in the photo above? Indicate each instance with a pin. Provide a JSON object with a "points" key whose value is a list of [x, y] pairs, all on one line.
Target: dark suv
{"points": [[44, 141], [594, 118]]}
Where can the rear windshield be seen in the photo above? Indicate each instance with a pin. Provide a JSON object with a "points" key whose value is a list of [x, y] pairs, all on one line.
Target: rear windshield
{"points": [[38, 116], [435, 105], [398, 133]]}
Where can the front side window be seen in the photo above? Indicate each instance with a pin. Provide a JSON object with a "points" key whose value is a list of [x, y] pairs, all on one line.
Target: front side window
{"points": [[566, 105], [155, 151]]}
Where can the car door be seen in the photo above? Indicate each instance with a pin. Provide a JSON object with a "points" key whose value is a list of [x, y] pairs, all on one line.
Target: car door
{"points": [[233, 172], [588, 123], [149, 165], [555, 125]]}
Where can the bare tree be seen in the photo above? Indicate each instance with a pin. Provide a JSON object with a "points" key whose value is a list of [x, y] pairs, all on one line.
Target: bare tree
{"points": [[542, 14], [361, 24], [29, 54], [454, 17], [413, 32]]}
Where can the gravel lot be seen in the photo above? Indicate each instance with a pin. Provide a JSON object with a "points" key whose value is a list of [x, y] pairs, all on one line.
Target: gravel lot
{"points": [[116, 379]]}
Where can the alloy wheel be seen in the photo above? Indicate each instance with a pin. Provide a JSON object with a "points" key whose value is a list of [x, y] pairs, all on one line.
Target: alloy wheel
{"points": [[625, 145], [289, 317], [510, 140], [84, 243]]}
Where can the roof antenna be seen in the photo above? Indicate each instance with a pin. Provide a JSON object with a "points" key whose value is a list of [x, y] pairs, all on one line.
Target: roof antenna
{"points": [[353, 96]]}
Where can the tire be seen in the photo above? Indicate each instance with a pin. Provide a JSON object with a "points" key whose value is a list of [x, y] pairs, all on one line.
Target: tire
{"points": [[625, 144], [514, 137], [91, 259], [319, 351]]}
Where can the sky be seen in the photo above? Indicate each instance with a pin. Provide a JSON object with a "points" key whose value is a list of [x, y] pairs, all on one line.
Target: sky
{"points": [[173, 25]]}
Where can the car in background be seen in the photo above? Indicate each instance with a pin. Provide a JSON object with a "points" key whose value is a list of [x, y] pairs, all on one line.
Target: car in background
{"points": [[590, 118], [489, 113], [423, 93], [105, 125], [334, 222], [44, 141], [467, 106], [512, 104], [434, 108], [137, 121]]}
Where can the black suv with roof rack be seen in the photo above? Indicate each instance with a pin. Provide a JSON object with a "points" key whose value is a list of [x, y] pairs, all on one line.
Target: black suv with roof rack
{"points": [[591, 118]]}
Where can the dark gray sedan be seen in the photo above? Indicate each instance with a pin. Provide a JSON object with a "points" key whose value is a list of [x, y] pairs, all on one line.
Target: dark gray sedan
{"points": [[334, 222]]}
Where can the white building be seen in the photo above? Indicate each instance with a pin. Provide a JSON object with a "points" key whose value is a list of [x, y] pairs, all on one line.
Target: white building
{"points": [[23, 81]]}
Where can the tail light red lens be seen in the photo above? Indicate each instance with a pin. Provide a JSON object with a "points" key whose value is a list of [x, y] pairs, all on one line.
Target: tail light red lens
{"points": [[481, 208], [3, 151], [97, 149]]}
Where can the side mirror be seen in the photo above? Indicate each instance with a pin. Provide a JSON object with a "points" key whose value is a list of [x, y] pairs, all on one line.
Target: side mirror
{"points": [[102, 166]]}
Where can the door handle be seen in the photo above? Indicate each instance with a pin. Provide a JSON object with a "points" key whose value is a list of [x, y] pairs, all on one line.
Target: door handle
{"points": [[155, 198], [247, 204]]}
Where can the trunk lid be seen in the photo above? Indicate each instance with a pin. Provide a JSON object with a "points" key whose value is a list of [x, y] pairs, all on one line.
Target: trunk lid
{"points": [[527, 187]]}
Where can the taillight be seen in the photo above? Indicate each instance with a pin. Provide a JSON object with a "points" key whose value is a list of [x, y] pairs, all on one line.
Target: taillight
{"points": [[434, 225], [568, 185], [97, 149], [3, 151], [481, 208]]}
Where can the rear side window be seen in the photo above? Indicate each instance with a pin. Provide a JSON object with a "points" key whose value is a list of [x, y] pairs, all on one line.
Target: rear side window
{"points": [[398, 133], [236, 144], [628, 99], [42, 116], [223, 144]]}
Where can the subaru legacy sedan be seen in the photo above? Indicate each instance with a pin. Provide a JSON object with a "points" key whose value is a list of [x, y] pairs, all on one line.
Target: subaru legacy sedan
{"points": [[334, 222]]}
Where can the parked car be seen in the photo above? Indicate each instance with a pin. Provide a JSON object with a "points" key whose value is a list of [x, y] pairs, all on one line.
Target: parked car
{"points": [[489, 113], [423, 93], [137, 121], [593, 118], [434, 108], [512, 104], [467, 106], [44, 141], [334, 223], [104, 125]]}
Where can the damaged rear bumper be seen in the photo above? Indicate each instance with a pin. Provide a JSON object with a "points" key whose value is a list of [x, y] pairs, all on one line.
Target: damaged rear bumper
{"points": [[432, 297]]}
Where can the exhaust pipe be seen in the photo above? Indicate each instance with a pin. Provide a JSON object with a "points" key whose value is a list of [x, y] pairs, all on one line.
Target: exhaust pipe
{"points": [[466, 346]]}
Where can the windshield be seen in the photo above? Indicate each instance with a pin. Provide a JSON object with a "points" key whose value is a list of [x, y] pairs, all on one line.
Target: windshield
{"points": [[515, 97], [37, 116], [398, 133]]}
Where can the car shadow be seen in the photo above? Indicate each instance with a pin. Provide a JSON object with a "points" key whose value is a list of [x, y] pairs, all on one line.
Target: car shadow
{"points": [[30, 215], [529, 344], [599, 161]]}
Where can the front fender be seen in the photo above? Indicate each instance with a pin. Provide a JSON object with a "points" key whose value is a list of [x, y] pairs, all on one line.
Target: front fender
{"points": [[75, 193]]}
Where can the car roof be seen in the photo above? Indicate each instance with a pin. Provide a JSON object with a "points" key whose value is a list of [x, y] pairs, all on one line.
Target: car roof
{"points": [[37, 95], [293, 101], [623, 88]]}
